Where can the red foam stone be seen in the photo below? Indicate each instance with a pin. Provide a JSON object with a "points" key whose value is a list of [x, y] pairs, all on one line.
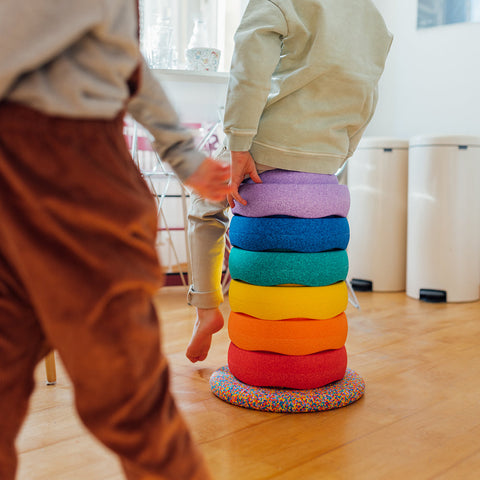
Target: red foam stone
{"points": [[267, 369]]}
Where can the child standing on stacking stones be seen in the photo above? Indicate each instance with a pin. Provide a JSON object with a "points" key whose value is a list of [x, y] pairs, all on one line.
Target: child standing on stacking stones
{"points": [[302, 90]]}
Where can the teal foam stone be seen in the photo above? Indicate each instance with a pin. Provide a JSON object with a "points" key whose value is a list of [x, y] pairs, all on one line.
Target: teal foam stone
{"points": [[278, 268]]}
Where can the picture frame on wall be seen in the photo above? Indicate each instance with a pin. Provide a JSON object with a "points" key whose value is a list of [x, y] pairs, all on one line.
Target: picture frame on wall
{"points": [[432, 13]]}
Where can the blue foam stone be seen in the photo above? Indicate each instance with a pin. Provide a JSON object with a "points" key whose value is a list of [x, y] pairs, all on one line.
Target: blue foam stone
{"points": [[289, 233]]}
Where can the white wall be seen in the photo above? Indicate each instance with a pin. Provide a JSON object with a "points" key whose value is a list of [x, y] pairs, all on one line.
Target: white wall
{"points": [[431, 83]]}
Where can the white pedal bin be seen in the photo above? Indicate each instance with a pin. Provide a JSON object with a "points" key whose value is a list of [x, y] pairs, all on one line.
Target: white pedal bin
{"points": [[377, 179], [443, 241]]}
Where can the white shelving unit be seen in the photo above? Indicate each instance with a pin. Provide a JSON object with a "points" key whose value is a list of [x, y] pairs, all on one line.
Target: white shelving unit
{"points": [[198, 98]]}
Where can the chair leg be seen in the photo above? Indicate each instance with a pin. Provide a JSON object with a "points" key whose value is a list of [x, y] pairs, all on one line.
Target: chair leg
{"points": [[226, 278], [50, 368]]}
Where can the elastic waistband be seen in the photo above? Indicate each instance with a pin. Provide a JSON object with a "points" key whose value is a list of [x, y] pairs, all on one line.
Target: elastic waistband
{"points": [[18, 116]]}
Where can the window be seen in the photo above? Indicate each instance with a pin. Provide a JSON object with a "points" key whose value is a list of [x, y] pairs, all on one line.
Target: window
{"points": [[166, 27]]}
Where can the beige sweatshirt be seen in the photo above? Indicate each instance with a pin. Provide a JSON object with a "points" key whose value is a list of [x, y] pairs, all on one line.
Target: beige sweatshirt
{"points": [[73, 59], [303, 81]]}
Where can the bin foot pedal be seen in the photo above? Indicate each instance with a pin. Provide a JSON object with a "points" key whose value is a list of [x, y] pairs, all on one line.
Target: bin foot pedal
{"points": [[362, 285], [433, 296]]}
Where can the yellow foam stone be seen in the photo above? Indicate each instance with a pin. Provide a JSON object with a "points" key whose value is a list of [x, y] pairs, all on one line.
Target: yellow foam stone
{"points": [[284, 302]]}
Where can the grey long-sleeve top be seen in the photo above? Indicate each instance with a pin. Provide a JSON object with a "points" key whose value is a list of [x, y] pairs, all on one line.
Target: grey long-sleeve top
{"points": [[73, 59]]}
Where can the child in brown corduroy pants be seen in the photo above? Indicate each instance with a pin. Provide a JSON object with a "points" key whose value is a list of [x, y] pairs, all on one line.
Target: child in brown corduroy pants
{"points": [[78, 264]]}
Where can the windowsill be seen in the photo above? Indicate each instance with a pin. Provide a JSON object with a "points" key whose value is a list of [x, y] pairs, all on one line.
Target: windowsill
{"points": [[191, 75], [198, 97]]}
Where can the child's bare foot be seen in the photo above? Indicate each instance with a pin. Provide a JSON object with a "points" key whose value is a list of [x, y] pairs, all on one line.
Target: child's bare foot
{"points": [[209, 321]]}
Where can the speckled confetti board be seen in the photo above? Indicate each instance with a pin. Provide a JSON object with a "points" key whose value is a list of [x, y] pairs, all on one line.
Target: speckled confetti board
{"points": [[334, 395]]}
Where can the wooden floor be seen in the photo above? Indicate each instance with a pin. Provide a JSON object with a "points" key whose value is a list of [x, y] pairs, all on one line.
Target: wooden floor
{"points": [[419, 418]]}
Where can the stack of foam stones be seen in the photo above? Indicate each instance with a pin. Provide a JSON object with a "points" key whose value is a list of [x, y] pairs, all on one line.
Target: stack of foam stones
{"points": [[288, 297]]}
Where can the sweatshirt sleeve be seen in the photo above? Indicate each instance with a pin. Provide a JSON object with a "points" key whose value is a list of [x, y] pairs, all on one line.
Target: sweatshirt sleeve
{"points": [[151, 108], [258, 43]]}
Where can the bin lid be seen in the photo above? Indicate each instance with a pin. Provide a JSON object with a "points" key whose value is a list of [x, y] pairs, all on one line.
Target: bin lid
{"points": [[445, 140], [382, 143]]}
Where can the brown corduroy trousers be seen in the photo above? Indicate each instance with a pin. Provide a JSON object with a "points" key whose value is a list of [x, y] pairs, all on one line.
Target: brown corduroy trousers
{"points": [[78, 268]]}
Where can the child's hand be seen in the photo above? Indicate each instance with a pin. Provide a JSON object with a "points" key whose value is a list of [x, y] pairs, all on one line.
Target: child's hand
{"points": [[210, 180], [242, 165]]}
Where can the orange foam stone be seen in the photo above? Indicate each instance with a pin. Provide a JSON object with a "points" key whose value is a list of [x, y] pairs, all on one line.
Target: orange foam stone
{"points": [[289, 337]]}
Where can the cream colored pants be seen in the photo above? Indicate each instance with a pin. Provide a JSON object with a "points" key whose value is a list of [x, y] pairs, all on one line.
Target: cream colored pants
{"points": [[207, 225]]}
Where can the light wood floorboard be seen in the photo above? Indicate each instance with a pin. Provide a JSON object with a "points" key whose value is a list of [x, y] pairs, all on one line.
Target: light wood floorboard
{"points": [[419, 418]]}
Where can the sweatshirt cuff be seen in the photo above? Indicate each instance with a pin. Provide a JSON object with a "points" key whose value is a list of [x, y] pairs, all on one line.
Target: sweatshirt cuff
{"points": [[183, 162], [239, 143]]}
